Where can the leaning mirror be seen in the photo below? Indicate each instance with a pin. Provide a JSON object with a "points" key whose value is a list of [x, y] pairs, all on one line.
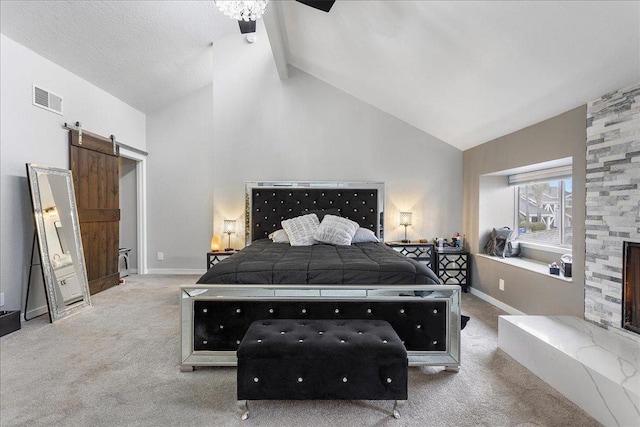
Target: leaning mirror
{"points": [[58, 236]]}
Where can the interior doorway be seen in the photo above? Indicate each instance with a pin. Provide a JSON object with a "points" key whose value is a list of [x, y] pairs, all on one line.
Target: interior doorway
{"points": [[133, 194], [128, 214]]}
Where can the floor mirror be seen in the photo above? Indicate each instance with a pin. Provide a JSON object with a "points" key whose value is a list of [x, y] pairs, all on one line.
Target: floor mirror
{"points": [[59, 242]]}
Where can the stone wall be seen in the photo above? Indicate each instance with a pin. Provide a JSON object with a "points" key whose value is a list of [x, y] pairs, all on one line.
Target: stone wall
{"points": [[612, 199]]}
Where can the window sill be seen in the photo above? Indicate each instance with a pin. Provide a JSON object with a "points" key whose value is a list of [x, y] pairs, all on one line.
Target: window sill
{"points": [[528, 264]]}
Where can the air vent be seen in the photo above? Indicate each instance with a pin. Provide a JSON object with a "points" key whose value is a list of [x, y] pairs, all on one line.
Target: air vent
{"points": [[49, 101]]}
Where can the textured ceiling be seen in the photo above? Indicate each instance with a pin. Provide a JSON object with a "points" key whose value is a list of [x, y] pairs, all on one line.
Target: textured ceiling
{"points": [[146, 53], [465, 72], [468, 72]]}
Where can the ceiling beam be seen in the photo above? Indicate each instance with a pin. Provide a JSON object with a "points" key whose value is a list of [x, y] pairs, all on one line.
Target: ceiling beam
{"points": [[277, 34]]}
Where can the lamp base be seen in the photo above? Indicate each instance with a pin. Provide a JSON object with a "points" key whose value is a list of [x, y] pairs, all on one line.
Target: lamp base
{"points": [[405, 241], [228, 249]]}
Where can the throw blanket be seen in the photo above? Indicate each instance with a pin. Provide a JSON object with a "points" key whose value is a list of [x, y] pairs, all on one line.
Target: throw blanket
{"points": [[265, 262]]}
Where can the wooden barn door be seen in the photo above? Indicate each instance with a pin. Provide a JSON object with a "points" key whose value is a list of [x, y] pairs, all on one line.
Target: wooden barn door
{"points": [[94, 165]]}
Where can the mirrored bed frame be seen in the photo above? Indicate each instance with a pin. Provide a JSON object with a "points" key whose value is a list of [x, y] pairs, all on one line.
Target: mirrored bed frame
{"points": [[215, 317]]}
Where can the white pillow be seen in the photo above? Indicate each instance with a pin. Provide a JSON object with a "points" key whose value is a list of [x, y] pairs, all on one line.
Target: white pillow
{"points": [[279, 236], [336, 230], [364, 235], [300, 229]]}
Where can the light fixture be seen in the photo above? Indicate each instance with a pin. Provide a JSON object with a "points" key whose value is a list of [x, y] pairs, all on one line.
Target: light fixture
{"points": [[229, 228], [405, 219], [242, 10], [215, 243]]}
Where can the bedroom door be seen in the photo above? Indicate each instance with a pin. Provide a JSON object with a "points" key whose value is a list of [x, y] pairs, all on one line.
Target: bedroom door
{"points": [[95, 170]]}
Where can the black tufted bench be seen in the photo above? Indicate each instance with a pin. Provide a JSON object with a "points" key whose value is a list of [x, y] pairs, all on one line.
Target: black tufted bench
{"points": [[298, 359]]}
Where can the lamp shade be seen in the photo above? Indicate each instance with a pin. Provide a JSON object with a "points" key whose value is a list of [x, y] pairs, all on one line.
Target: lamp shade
{"points": [[215, 243], [229, 226], [405, 218]]}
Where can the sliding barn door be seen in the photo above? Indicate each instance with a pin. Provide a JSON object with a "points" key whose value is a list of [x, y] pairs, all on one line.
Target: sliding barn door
{"points": [[94, 165]]}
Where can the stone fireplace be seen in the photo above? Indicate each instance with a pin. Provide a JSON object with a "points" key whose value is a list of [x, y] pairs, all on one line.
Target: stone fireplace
{"points": [[613, 205]]}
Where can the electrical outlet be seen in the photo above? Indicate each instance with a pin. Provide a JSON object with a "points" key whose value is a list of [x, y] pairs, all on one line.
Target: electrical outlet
{"points": [[160, 256], [1, 299], [501, 285]]}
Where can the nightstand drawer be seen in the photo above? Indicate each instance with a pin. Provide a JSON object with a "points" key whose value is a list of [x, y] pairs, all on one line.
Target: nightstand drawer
{"points": [[215, 257], [421, 252], [452, 267]]}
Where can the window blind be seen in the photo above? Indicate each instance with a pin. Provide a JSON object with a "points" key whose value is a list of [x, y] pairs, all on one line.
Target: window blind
{"points": [[542, 175]]}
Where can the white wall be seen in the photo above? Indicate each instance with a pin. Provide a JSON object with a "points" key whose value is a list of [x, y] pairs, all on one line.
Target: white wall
{"points": [[32, 135], [179, 184], [304, 129]]}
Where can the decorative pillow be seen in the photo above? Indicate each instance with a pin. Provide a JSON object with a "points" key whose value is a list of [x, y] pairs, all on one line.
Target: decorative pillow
{"points": [[301, 229], [336, 230], [279, 236], [364, 235], [321, 213]]}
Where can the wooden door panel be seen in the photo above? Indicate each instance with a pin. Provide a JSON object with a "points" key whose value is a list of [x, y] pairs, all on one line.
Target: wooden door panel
{"points": [[94, 165]]}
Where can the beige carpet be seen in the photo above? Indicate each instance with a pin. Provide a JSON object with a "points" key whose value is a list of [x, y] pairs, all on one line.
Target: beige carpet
{"points": [[115, 364]]}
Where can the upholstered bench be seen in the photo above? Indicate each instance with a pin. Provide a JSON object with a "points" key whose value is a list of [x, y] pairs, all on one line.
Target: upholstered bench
{"points": [[296, 359]]}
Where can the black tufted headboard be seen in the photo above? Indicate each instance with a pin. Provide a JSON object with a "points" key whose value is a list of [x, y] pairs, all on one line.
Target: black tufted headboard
{"points": [[268, 203]]}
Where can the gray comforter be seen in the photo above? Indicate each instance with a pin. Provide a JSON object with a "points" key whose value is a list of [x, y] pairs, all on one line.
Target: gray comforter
{"points": [[265, 262]]}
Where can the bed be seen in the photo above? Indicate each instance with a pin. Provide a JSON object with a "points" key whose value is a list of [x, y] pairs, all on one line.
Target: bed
{"points": [[277, 280]]}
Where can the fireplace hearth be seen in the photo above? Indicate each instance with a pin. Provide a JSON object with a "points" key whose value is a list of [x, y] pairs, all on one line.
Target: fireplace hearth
{"points": [[631, 287]]}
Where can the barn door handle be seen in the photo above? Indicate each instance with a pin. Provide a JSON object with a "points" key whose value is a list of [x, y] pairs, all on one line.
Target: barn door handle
{"points": [[113, 141]]}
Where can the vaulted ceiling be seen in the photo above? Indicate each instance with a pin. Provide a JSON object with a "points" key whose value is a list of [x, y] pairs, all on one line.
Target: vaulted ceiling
{"points": [[465, 72]]}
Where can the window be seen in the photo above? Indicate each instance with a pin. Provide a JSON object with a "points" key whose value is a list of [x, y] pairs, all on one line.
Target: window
{"points": [[544, 205], [544, 212]]}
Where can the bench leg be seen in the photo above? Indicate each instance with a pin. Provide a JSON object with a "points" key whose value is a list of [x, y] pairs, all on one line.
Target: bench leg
{"points": [[186, 368], [452, 368], [244, 407], [396, 406]]}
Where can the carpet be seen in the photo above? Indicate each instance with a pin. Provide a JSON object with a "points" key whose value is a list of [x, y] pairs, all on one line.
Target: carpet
{"points": [[116, 364]]}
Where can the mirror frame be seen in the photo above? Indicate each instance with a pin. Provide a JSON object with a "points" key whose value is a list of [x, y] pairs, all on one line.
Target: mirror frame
{"points": [[48, 272]]}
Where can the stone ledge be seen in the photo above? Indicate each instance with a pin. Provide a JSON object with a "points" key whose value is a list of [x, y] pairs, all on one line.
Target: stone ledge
{"points": [[594, 368], [527, 264]]}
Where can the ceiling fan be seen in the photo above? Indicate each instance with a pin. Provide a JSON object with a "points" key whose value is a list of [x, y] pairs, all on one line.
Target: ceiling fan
{"points": [[249, 15]]}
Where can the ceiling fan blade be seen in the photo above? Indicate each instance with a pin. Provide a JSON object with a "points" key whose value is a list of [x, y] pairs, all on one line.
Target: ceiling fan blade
{"points": [[324, 5], [247, 26]]}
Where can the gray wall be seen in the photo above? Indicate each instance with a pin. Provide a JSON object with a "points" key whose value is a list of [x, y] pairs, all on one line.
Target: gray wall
{"points": [[180, 184], [533, 293], [253, 126], [304, 129], [32, 135]]}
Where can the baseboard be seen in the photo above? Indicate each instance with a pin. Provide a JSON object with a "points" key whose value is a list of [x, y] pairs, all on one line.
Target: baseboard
{"points": [[183, 271], [35, 312], [497, 303]]}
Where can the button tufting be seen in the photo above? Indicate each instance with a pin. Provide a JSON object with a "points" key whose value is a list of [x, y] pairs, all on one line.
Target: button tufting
{"points": [[205, 342], [320, 333], [282, 333], [204, 310], [360, 332], [341, 340], [259, 340], [300, 379], [271, 310], [337, 310], [388, 380], [344, 379], [435, 311], [369, 310], [384, 341], [221, 326], [304, 310], [238, 310], [435, 342], [255, 379], [300, 340], [238, 342], [418, 326], [402, 311]]}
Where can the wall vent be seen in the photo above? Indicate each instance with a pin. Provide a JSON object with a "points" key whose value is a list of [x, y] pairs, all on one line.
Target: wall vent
{"points": [[49, 101]]}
